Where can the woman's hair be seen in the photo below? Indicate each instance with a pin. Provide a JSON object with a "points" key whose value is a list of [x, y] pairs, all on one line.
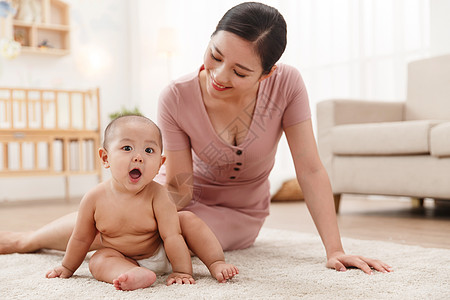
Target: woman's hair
{"points": [[260, 24]]}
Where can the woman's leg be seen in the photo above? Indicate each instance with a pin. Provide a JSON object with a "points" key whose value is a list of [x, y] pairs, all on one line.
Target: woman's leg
{"points": [[111, 266], [202, 241], [240, 233], [55, 235]]}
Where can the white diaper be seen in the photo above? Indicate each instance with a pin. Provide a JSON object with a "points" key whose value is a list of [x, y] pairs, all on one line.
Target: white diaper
{"points": [[158, 263]]}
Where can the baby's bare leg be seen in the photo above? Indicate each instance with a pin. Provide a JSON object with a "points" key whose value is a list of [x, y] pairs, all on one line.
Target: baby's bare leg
{"points": [[54, 235], [202, 241], [124, 273]]}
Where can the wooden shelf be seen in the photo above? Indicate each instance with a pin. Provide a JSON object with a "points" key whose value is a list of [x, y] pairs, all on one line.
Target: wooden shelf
{"points": [[46, 31], [43, 50]]}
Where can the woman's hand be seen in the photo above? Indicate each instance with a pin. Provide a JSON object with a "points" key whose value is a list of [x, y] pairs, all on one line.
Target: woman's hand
{"points": [[180, 278], [341, 261]]}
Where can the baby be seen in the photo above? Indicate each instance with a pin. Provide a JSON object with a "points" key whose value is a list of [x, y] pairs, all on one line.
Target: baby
{"points": [[137, 223]]}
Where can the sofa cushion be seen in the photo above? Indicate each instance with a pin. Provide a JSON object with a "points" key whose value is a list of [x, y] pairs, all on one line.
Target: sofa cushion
{"points": [[387, 138], [409, 175], [428, 90], [440, 140]]}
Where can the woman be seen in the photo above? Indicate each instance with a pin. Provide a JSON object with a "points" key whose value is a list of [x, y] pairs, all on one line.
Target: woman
{"points": [[221, 126]]}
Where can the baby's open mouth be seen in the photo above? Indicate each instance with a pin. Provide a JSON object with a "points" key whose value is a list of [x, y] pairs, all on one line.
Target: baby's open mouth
{"points": [[135, 173]]}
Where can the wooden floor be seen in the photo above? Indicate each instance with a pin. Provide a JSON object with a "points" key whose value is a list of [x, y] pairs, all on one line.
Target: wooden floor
{"points": [[387, 219], [382, 218]]}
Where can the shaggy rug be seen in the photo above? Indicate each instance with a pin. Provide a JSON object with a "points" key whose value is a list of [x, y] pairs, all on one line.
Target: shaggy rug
{"points": [[281, 265]]}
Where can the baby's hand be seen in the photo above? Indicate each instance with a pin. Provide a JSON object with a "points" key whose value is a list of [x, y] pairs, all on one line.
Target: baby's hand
{"points": [[60, 271], [180, 278]]}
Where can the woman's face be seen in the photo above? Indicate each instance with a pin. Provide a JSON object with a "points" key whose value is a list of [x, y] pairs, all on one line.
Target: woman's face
{"points": [[232, 67]]}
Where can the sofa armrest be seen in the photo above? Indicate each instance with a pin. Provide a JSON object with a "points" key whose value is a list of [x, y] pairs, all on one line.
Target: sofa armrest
{"points": [[335, 112]]}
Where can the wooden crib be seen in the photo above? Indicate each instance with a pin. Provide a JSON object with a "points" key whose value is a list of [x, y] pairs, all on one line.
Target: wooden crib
{"points": [[49, 133]]}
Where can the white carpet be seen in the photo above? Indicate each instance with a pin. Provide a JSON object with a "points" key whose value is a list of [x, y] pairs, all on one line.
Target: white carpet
{"points": [[281, 265]]}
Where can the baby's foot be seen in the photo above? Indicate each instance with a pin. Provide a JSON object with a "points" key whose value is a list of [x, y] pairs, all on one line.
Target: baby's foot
{"points": [[136, 278], [223, 271], [12, 242]]}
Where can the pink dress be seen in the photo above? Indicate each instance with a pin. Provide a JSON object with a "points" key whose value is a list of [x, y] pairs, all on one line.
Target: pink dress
{"points": [[231, 186]]}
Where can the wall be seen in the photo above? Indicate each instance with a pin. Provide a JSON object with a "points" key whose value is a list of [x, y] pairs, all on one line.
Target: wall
{"points": [[346, 49], [100, 37], [125, 34], [440, 27]]}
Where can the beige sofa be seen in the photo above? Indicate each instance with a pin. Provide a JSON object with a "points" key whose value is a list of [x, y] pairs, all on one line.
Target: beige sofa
{"points": [[387, 148]]}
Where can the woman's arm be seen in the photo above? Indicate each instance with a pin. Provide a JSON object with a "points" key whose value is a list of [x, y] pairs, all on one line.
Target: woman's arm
{"points": [[179, 177], [316, 188], [314, 182]]}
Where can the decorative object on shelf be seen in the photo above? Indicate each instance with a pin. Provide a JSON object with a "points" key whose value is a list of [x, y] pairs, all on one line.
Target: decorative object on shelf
{"points": [[45, 44], [9, 49], [6, 8], [20, 36], [28, 11]]}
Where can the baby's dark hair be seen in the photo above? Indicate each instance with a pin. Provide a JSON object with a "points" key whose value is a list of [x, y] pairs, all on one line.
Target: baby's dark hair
{"points": [[109, 129]]}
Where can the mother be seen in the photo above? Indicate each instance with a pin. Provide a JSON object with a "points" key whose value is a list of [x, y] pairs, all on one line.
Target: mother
{"points": [[221, 126]]}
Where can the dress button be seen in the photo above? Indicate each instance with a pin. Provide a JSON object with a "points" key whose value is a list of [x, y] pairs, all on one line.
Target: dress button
{"points": [[239, 152], [239, 164], [236, 169], [232, 177]]}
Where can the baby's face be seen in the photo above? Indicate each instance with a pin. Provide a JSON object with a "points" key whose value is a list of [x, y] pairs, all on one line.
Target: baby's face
{"points": [[134, 154]]}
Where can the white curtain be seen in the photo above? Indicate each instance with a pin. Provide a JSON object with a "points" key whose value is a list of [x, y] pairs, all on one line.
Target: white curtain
{"points": [[352, 49], [343, 48]]}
